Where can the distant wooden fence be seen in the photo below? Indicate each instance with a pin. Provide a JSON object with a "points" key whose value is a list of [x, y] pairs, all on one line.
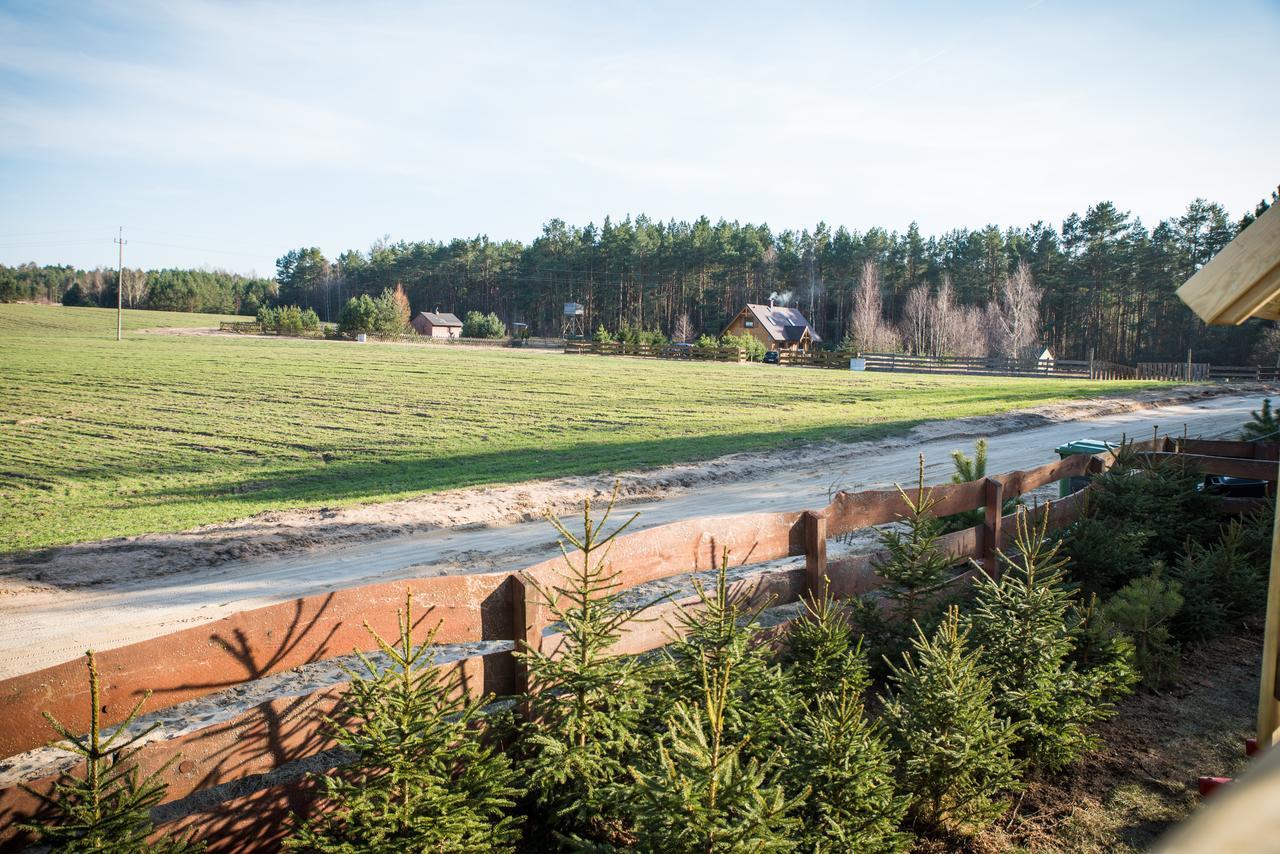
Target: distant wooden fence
{"points": [[251, 645], [1187, 372], [664, 351], [977, 365], [252, 327], [1243, 373], [1096, 369]]}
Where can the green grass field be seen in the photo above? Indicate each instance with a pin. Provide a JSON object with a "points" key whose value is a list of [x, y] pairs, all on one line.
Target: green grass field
{"points": [[164, 432]]}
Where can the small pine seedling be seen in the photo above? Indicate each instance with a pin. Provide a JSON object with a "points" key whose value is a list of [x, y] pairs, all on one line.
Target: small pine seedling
{"points": [[1143, 609], [701, 791], [421, 779], [109, 808], [585, 706], [722, 633], [836, 751], [914, 565], [1262, 425], [822, 655], [956, 753], [1024, 623]]}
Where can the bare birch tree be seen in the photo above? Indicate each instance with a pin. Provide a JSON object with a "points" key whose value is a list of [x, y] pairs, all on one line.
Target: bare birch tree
{"points": [[870, 331], [135, 286], [683, 330], [1015, 315], [943, 330], [971, 334], [918, 321]]}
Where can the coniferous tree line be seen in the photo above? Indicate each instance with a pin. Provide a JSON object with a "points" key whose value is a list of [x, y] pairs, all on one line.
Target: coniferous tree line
{"points": [[1103, 282], [214, 291]]}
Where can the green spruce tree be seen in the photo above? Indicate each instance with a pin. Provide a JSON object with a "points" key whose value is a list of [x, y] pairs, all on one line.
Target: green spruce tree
{"points": [[968, 469], [835, 749], [1222, 584], [823, 655], [1144, 609], [956, 759], [914, 566], [702, 789], [1262, 425], [722, 634], [585, 706], [421, 779], [1025, 623], [109, 808], [915, 570]]}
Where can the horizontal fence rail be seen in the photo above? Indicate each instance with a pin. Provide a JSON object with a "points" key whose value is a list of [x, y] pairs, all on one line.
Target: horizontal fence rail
{"points": [[253, 644], [1096, 369], [657, 351]]}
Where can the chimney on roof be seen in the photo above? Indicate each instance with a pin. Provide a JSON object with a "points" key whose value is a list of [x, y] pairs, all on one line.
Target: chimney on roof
{"points": [[437, 311], [770, 302]]}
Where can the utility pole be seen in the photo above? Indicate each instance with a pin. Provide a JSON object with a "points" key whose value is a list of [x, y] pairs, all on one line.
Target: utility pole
{"points": [[120, 242]]}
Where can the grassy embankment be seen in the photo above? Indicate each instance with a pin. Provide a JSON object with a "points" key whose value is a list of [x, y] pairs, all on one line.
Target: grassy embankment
{"points": [[164, 432]]}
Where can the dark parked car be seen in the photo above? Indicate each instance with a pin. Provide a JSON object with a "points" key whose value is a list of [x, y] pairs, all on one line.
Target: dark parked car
{"points": [[771, 358], [1234, 487]]}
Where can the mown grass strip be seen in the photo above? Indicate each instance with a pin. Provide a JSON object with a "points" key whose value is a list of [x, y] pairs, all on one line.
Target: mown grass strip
{"points": [[164, 432]]}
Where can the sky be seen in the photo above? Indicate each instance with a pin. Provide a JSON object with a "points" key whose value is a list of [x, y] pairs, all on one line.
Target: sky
{"points": [[221, 135]]}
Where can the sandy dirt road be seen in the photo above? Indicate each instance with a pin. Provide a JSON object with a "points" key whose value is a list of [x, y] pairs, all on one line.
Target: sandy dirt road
{"points": [[45, 625]]}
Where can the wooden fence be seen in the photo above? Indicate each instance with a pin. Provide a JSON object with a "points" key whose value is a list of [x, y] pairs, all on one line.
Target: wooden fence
{"points": [[1243, 373], [1187, 372], [241, 812], [977, 365], [253, 327], [1095, 369], [664, 351]]}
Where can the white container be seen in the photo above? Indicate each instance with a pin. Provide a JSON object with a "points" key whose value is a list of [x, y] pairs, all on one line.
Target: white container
{"points": [[857, 364], [360, 338]]}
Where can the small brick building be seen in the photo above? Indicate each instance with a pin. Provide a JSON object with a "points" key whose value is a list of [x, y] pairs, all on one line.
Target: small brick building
{"points": [[437, 324]]}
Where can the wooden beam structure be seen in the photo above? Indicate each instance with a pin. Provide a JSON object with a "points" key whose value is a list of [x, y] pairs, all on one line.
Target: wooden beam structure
{"points": [[1243, 281]]}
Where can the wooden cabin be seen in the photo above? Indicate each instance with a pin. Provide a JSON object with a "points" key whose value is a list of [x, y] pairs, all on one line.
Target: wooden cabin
{"points": [[437, 324], [776, 327]]}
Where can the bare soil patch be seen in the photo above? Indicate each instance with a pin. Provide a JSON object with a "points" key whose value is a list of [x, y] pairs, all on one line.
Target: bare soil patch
{"points": [[1142, 781]]}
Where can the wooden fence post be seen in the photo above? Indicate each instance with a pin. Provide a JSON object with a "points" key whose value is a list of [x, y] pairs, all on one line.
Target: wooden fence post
{"points": [[529, 618], [815, 552], [1268, 688], [993, 507]]}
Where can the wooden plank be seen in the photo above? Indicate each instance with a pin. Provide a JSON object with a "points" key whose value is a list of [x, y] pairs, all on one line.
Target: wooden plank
{"points": [[1220, 448], [1228, 466], [1021, 482], [249, 645], [1268, 731], [529, 615], [657, 625], [693, 545], [1242, 280], [850, 511]]}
